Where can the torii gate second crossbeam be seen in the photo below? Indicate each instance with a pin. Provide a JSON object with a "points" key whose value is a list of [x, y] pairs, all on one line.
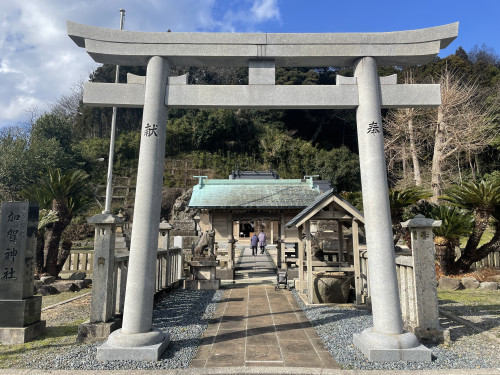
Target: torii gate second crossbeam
{"points": [[262, 53]]}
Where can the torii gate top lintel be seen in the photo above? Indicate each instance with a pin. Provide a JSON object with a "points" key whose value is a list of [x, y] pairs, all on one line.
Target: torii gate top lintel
{"points": [[121, 47]]}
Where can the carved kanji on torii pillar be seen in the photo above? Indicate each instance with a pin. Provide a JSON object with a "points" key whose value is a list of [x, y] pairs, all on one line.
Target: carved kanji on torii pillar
{"points": [[262, 53]]}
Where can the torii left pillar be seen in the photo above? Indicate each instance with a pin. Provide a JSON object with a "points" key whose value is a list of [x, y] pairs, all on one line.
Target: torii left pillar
{"points": [[137, 339]]}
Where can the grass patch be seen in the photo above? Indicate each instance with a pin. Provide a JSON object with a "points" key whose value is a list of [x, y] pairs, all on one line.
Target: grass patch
{"points": [[489, 299], [485, 238], [56, 298], [12, 356]]}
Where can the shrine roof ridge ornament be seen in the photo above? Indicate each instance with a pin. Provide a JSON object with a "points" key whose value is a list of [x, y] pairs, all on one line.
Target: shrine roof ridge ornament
{"points": [[122, 47]]}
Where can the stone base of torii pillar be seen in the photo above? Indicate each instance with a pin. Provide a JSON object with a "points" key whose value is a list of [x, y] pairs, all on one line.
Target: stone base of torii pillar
{"points": [[385, 348]]}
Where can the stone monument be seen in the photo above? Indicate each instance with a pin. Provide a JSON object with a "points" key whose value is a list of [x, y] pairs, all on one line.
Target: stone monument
{"points": [[19, 310], [201, 266]]}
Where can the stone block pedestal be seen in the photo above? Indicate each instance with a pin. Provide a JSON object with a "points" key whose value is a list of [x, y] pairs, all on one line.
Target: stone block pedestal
{"points": [[21, 335], [93, 332], [202, 270], [20, 313], [20, 320], [224, 273], [121, 346], [391, 348]]}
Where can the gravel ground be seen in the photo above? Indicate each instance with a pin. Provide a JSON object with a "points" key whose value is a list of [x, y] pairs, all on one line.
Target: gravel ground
{"points": [[484, 317], [183, 314], [336, 326]]}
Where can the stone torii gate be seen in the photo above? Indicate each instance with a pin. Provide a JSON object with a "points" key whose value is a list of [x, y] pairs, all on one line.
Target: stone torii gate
{"points": [[262, 53]]}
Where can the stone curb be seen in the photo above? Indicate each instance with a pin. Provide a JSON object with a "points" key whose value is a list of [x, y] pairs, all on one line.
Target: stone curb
{"points": [[469, 324], [66, 301], [254, 370]]}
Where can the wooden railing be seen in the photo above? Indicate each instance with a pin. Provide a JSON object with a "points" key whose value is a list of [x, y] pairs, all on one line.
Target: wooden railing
{"points": [[79, 260]]}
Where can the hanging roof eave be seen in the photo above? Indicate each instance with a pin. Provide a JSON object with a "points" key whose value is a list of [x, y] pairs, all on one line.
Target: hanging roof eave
{"points": [[322, 201]]}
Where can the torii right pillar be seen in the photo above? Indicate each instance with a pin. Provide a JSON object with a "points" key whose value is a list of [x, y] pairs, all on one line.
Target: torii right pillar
{"points": [[386, 340]]}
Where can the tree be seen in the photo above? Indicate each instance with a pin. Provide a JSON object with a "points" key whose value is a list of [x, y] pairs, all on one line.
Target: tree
{"points": [[47, 217], [399, 200], [69, 106], [14, 165], [461, 127], [339, 165], [66, 194], [455, 224], [483, 200], [22, 159], [462, 124], [50, 143], [402, 138]]}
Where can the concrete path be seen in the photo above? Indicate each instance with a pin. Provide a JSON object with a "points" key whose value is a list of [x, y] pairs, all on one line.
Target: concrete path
{"points": [[256, 325]]}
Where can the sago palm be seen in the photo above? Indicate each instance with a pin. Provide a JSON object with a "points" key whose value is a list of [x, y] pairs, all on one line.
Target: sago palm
{"points": [[482, 198], [66, 194], [399, 200], [455, 223]]}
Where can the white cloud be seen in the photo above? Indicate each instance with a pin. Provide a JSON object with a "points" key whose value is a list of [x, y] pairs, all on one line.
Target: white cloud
{"points": [[39, 63], [265, 10]]}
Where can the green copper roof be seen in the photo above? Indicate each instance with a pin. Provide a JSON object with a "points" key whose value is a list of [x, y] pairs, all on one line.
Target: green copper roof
{"points": [[253, 194]]}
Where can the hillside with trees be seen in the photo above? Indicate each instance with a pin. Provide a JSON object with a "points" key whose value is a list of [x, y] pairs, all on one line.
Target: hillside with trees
{"points": [[455, 144]]}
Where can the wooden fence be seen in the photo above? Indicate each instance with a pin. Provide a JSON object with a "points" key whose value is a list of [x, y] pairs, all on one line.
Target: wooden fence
{"points": [[492, 260], [79, 260]]}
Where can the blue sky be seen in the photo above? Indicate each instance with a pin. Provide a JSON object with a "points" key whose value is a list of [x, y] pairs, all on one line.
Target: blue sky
{"points": [[39, 63]]}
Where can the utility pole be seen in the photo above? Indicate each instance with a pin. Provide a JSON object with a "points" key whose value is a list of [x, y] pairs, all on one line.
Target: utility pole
{"points": [[109, 189]]}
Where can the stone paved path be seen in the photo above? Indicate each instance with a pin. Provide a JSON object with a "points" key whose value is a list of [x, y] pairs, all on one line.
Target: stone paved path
{"points": [[256, 325]]}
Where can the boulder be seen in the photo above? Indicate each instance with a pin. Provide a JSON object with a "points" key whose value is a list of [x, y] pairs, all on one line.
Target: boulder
{"points": [[66, 287], [331, 288], [80, 284], [47, 279], [46, 290], [448, 283], [489, 285], [470, 283], [78, 276]]}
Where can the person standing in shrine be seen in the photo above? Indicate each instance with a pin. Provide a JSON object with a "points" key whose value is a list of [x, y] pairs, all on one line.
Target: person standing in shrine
{"points": [[254, 240], [262, 241]]}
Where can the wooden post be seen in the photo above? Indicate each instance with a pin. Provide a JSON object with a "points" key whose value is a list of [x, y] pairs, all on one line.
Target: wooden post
{"points": [[230, 240], [310, 291], [341, 241], [357, 268], [271, 223], [301, 260], [282, 244]]}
